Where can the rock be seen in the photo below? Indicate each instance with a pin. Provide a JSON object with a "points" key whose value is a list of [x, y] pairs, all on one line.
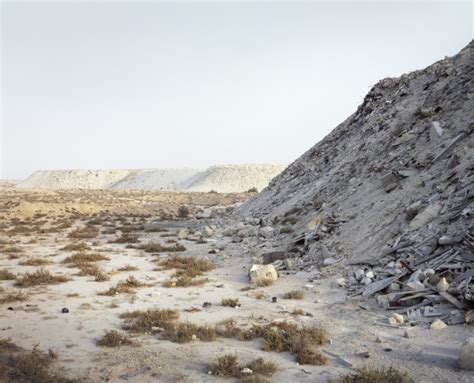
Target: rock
{"points": [[266, 231], [182, 234], [330, 261], [438, 324], [366, 281], [263, 274], [236, 239], [396, 319], [309, 286], [246, 371], [359, 274], [370, 274], [466, 356], [247, 231], [207, 304], [415, 286], [207, 231], [65, 310], [273, 256], [394, 287], [450, 239], [426, 215], [442, 285], [341, 282]]}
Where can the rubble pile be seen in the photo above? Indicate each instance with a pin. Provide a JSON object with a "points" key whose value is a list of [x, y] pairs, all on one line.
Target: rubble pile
{"points": [[388, 195]]}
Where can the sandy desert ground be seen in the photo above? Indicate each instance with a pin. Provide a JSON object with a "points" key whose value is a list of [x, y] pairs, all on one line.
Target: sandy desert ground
{"points": [[76, 265]]}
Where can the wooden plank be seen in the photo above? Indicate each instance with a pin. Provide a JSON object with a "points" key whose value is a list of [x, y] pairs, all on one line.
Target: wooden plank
{"points": [[380, 285]]}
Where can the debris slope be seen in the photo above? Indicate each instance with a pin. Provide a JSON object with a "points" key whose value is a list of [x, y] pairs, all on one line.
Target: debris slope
{"points": [[393, 182]]}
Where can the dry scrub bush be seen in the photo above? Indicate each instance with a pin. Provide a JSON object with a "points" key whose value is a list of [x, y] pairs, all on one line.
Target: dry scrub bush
{"points": [[375, 375], [12, 296], [76, 246], [185, 332], [6, 275], [228, 365], [230, 302], [145, 321], [40, 277], [159, 248], [127, 286], [113, 338], [20, 366], [83, 257], [34, 262], [294, 294], [126, 238], [85, 232]]}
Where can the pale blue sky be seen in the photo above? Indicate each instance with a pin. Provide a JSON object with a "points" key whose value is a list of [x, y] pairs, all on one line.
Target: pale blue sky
{"points": [[139, 85]]}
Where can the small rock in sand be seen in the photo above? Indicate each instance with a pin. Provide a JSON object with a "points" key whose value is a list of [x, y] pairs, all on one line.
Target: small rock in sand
{"points": [[396, 319], [442, 285], [466, 357], [438, 324]]}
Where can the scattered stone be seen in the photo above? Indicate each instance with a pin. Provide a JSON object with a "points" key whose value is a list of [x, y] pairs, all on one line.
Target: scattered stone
{"points": [[246, 371], [415, 286], [207, 304], [426, 216], [396, 319], [274, 299], [436, 131], [359, 274], [450, 239], [266, 231], [366, 281], [65, 310], [466, 356], [442, 285], [263, 274], [438, 324]]}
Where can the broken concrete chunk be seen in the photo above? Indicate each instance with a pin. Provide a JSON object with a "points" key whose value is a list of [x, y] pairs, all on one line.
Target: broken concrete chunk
{"points": [[438, 324], [442, 285], [396, 319], [466, 356], [426, 215], [263, 274], [415, 286]]}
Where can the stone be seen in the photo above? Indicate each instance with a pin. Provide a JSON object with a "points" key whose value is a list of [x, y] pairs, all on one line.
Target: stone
{"points": [[366, 281], [182, 234], [438, 324], [426, 215], [359, 274], [207, 231], [370, 274], [263, 274], [266, 231], [394, 287], [236, 239], [466, 356], [330, 261], [396, 319], [273, 256], [65, 310], [248, 231], [450, 239], [442, 285], [415, 286], [246, 371], [341, 282]]}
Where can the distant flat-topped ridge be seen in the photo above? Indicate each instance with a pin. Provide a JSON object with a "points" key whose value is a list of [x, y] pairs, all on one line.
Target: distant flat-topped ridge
{"points": [[228, 178]]}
